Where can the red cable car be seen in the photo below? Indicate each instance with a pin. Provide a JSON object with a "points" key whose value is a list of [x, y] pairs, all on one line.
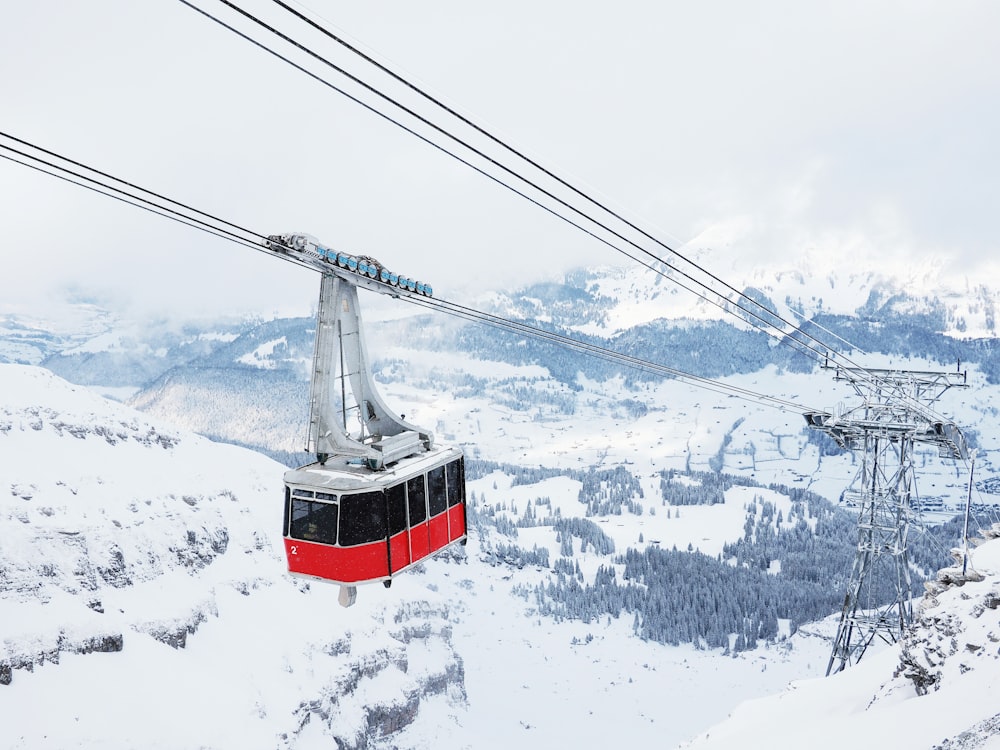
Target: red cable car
{"points": [[378, 501], [348, 524]]}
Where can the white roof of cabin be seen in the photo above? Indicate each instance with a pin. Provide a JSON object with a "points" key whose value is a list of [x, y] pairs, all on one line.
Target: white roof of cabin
{"points": [[341, 474]]}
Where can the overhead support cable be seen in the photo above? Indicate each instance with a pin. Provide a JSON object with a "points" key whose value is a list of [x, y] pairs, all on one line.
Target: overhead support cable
{"points": [[134, 195], [465, 120], [791, 334], [121, 198], [782, 334], [609, 354], [118, 180]]}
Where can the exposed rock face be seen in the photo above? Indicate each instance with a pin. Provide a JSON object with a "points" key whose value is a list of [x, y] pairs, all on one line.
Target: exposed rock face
{"points": [[974, 737], [28, 658], [420, 629], [174, 632], [945, 643]]}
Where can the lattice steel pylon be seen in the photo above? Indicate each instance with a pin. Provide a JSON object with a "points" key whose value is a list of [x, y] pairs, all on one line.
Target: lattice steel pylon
{"points": [[895, 414]]}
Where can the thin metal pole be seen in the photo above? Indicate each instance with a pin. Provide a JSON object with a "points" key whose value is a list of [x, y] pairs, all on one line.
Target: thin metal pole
{"points": [[968, 508], [343, 375]]}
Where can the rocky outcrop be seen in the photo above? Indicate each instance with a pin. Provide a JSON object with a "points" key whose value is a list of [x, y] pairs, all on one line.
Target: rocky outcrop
{"points": [[28, 655], [175, 631], [37, 417], [345, 708], [974, 737], [947, 643]]}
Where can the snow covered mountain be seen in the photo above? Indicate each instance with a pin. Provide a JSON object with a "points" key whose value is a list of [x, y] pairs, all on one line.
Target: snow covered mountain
{"points": [[140, 582], [595, 492], [33, 336], [143, 601], [530, 403], [935, 689], [843, 280]]}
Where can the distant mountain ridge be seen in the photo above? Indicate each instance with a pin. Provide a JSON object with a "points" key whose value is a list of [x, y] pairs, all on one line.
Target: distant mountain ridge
{"points": [[642, 314], [246, 382], [629, 308]]}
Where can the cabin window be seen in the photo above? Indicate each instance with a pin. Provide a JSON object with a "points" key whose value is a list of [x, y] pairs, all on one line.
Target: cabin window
{"points": [[416, 497], [435, 491], [362, 518], [395, 498], [313, 521], [455, 471]]}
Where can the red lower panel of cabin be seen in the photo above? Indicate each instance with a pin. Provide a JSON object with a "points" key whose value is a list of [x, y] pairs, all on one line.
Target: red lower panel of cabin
{"points": [[365, 563], [420, 542], [437, 530], [400, 548], [456, 522]]}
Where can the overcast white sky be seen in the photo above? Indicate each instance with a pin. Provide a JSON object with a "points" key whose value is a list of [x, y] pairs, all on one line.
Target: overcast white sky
{"points": [[848, 129]]}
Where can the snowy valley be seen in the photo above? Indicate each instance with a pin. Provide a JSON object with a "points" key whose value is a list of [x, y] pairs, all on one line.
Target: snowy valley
{"points": [[145, 603], [144, 598]]}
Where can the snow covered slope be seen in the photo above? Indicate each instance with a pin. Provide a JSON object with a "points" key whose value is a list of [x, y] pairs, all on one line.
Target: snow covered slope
{"points": [[935, 689], [837, 277], [143, 599], [143, 603], [132, 547]]}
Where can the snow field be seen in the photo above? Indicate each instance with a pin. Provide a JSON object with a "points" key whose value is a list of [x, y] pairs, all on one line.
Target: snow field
{"points": [[267, 651], [872, 700], [259, 646]]}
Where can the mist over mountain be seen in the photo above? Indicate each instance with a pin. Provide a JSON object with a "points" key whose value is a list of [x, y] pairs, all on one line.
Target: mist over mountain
{"points": [[248, 383]]}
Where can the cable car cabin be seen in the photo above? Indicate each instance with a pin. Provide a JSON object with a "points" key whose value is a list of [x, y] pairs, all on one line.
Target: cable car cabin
{"points": [[347, 524]]}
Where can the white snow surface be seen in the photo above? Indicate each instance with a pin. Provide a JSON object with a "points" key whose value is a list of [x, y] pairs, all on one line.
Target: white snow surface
{"points": [[955, 639], [117, 524], [194, 528], [268, 661]]}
